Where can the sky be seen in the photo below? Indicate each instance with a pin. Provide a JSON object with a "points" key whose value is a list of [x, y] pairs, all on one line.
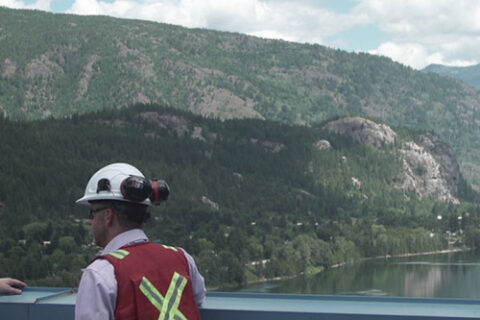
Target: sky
{"points": [[413, 32]]}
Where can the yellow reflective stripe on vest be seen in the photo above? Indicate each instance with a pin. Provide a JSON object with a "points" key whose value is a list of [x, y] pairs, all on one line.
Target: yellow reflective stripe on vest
{"points": [[168, 305], [152, 294], [169, 247], [119, 254], [172, 298]]}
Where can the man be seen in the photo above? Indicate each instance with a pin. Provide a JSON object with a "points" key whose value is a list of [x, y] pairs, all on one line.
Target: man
{"points": [[11, 286], [133, 278]]}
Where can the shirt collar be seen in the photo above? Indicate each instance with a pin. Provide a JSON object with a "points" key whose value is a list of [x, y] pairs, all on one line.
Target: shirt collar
{"points": [[124, 239]]}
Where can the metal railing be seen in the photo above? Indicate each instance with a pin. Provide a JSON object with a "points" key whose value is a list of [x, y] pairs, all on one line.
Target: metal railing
{"points": [[58, 303]]}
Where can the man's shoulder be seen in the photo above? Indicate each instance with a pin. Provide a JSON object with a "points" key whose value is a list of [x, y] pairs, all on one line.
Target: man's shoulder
{"points": [[99, 265], [99, 273]]}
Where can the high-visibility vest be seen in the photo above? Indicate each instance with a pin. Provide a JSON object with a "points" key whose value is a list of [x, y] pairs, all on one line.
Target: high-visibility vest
{"points": [[153, 283]]}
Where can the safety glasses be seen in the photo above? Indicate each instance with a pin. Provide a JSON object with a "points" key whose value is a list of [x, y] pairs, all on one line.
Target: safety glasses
{"points": [[93, 211]]}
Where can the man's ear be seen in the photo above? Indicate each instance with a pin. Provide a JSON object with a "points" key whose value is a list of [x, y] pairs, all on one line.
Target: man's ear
{"points": [[109, 216]]}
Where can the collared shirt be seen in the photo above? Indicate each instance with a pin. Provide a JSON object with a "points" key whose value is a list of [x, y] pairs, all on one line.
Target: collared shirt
{"points": [[97, 292]]}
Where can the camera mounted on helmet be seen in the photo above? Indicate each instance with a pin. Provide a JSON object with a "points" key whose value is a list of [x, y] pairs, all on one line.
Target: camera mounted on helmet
{"points": [[138, 189], [124, 182]]}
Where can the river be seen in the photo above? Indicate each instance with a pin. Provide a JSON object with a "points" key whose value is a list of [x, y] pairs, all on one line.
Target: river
{"points": [[453, 275]]}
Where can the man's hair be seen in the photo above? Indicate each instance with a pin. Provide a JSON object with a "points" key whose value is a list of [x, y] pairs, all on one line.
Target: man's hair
{"points": [[130, 215]]}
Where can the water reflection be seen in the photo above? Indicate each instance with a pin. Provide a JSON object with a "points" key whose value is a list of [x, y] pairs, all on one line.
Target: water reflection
{"points": [[444, 276], [450, 279], [424, 284]]}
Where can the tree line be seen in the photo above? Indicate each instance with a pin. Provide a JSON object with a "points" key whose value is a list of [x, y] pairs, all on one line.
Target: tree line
{"points": [[250, 199]]}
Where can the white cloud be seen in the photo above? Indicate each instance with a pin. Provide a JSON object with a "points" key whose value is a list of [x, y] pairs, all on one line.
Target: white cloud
{"points": [[85, 7], [43, 5], [411, 54], [271, 34], [302, 21], [416, 56], [424, 31], [438, 58]]}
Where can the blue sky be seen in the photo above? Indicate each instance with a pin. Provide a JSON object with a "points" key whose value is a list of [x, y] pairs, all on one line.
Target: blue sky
{"points": [[413, 32], [60, 6]]}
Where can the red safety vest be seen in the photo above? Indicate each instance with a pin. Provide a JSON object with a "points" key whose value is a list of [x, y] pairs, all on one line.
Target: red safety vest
{"points": [[153, 283]]}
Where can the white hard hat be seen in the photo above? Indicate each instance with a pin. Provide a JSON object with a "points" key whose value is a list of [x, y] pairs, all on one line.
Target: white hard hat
{"points": [[106, 184]]}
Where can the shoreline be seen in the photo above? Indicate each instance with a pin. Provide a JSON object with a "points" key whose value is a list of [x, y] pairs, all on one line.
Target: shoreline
{"points": [[403, 255]]}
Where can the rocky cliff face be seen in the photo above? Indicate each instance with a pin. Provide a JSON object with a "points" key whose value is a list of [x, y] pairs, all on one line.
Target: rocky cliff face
{"points": [[363, 131], [430, 167]]}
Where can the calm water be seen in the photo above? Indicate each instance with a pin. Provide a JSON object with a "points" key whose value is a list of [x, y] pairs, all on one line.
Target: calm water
{"points": [[442, 276]]}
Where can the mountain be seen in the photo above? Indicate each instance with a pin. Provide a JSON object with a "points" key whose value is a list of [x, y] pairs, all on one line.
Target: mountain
{"points": [[469, 75], [246, 195], [55, 65]]}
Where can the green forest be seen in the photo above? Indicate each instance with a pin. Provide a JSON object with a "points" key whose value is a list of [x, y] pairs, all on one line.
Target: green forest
{"points": [[56, 65], [250, 199]]}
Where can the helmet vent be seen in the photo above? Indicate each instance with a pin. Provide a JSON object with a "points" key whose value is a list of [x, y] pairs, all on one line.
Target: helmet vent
{"points": [[103, 185]]}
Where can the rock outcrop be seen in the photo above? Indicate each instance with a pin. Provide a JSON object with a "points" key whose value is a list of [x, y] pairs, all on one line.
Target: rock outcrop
{"points": [[430, 167], [363, 131], [9, 68], [210, 203], [3, 112], [323, 145]]}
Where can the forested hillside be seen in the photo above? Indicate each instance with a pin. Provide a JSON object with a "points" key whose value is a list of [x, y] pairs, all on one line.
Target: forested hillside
{"points": [[250, 198], [469, 75], [58, 65]]}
